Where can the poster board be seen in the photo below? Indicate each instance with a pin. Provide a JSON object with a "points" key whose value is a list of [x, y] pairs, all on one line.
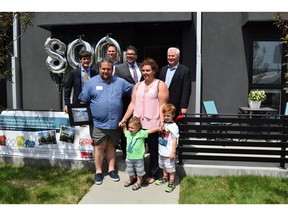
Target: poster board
{"points": [[43, 134]]}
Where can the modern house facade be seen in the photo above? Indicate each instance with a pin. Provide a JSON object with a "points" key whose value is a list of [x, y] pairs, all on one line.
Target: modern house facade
{"points": [[240, 51]]}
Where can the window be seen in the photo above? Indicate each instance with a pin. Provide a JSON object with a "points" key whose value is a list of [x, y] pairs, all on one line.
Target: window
{"points": [[273, 98], [266, 72], [267, 61]]}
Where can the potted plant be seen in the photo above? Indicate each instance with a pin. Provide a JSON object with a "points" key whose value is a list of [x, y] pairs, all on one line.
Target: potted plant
{"points": [[255, 97]]}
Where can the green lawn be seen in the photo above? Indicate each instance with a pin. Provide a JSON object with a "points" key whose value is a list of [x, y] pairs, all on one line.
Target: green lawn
{"points": [[234, 190], [46, 185], [43, 185]]}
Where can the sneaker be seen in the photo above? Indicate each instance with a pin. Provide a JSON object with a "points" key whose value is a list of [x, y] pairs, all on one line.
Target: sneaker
{"points": [[161, 181], [98, 179], [170, 187], [113, 174]]}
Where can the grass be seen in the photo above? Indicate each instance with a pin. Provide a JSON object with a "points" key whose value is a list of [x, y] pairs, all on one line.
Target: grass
{"points": [[46, 185], [43, 185], [234, 190]]}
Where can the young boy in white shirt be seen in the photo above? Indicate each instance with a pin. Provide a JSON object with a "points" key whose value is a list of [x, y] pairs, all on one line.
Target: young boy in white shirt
{"points": [[168, 140]]}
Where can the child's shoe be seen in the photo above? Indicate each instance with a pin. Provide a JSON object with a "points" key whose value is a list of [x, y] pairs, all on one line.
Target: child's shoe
{"points": [[161, 181], [171, 186]]}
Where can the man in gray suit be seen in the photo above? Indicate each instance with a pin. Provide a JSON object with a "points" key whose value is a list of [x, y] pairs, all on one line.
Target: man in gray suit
{"points": [[126, 70], [178, 80], [129, 71]]}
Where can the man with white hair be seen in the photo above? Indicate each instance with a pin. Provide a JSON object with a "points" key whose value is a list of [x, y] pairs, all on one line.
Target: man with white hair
{"points": [[178, 80]]}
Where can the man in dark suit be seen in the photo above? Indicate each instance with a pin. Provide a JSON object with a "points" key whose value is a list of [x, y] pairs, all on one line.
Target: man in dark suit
{"points": [[178, 80], [129, 71], [112, 54], [77, 79]]}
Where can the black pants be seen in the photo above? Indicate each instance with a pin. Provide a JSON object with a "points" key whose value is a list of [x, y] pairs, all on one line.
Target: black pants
{"points": [[152, 142], [123, 145]]}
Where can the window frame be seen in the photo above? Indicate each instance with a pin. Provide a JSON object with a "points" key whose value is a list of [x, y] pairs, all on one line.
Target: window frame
{"points": [[263, 86]]}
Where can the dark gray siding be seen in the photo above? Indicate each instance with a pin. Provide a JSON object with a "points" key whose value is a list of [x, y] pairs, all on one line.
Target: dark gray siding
{"points": [[79, 18], [224, 72], [224, 61]]}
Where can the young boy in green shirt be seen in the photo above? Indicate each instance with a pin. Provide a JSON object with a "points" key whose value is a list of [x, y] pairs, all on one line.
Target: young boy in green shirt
{"points": [[135, 151]]}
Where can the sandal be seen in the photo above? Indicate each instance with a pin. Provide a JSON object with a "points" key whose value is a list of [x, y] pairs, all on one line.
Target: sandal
{"points": [[129, 183], [150, 180], [136, 186]]}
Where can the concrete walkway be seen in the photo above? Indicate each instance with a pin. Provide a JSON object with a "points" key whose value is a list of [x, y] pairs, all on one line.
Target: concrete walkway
{"points": [[110, 192]]}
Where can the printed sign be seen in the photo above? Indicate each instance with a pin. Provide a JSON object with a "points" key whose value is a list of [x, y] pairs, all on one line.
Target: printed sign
{"points": [[43, 134]]}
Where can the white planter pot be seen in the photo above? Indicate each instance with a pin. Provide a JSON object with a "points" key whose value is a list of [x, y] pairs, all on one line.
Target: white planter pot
{"points": [[254, 104]]}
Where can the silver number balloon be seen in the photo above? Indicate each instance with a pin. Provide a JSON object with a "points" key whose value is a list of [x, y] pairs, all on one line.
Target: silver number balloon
{"points": [[73, 49], [56, 60], [101, 48]]}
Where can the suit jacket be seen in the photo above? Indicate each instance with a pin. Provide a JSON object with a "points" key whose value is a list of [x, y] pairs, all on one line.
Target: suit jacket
{"points": [[180, 87], [74, 81], [122, 70]]}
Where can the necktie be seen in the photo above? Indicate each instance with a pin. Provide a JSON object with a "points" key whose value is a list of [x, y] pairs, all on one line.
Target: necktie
{"points": [[85, 77], [135, 76]]}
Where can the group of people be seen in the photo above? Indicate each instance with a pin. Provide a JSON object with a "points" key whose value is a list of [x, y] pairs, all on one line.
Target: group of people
{"points": [[141, 101]]}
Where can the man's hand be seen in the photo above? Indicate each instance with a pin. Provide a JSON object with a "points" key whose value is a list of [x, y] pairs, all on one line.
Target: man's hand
{"points": [[66, 109]]}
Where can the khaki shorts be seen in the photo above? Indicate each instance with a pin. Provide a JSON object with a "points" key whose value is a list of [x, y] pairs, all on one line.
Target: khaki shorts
{"points": [[100, 135], [166, 163]]}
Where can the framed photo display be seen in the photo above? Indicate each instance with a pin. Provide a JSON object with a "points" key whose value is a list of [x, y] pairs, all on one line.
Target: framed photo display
{"points": [[79, 114]]}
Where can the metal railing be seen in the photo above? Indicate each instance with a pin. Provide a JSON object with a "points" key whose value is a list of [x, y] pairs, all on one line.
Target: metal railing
{"points": [[233, 138]]}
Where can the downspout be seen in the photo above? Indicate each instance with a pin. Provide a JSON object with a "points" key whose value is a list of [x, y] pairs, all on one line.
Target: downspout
{"points": [[15, 66], [198, 63]]}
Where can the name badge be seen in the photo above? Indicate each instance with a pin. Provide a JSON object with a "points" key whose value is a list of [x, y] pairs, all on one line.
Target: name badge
{"points": [[99, 87]]}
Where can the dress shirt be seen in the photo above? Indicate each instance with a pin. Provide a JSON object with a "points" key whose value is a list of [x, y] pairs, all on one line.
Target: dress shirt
{"points": [[169, 75], [106, 100], [137, 70], [82, 74]]}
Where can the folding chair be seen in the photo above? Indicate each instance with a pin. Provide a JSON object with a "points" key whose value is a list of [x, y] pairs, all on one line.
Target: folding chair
{"points": [[286, 109], [211, 111], [210, 108]]}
